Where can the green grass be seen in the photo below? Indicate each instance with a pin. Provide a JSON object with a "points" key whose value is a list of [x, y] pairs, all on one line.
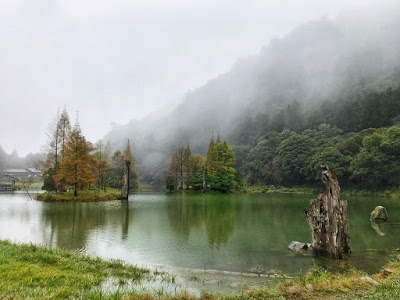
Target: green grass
{"points": [[255, 189], [83, 196], [392, 193], [29, 271], [34, 272], [346, 192]]}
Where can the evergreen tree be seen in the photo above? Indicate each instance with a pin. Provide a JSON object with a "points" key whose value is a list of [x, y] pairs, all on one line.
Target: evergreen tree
{"points": [[187, 165], [175, 169], [57, 133], [210, 158], [64, 127], [116, 170], [219, 166], [134, 175], [101, 163], [75, 169]]}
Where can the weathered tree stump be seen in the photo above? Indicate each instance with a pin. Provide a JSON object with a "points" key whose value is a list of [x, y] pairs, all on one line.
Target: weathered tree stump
{"points": [[125, 185], [327, 218]]}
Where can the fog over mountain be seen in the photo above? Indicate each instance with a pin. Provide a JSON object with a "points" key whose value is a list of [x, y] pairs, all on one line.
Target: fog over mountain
{"points": [[317, 61], [119, 60]]}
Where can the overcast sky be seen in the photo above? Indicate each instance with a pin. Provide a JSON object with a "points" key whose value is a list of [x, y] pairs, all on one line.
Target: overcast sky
{"points": [[117, 60]]}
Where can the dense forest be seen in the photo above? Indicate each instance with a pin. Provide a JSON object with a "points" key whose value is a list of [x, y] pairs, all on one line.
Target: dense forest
{"points": [[328, 92], [358, 137], [306, 97]]}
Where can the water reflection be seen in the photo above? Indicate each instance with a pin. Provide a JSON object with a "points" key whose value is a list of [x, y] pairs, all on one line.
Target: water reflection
{"points": [[125, 218], [380, 228], [184, 215], [241, 233], [72, 225], [217, 215]]}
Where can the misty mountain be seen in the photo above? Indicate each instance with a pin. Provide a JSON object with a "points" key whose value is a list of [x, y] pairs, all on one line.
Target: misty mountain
{"points": [[324, 60], [13, 160]]}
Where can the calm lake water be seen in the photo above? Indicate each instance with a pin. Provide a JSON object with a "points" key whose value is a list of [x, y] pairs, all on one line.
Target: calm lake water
{"points": [[246, 233]]}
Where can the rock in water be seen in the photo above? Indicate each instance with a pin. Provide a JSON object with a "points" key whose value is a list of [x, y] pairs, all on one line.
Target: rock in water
{"points": [[379, 214], [297, 246]]}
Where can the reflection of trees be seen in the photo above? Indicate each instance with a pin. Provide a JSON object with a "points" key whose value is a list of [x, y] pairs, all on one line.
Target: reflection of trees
{"points": [[220, 222], [218, 216], [71, 224], [125, 218], [184, 214]]}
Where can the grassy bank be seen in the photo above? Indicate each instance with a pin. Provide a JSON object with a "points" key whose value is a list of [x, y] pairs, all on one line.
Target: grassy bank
{"points": [[83, 196], [34, 185], [28, 271], [320, 284], [392, 193], [264, 189]]}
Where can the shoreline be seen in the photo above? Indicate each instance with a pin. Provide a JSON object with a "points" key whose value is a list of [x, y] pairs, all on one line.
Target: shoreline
{"points": [[39, 272], [83, 196], [394, 193]]}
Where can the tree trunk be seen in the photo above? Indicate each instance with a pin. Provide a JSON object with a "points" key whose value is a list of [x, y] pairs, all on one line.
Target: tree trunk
{"points": [[76, 180], [328, 219], [125, 185]]}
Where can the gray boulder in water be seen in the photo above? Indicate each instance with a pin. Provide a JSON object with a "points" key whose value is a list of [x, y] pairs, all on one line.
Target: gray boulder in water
{"points": [[379, 214], [297, 246]]}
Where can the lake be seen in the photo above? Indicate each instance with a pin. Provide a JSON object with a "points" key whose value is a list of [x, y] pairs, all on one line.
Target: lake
{"points": [[224, 241]]}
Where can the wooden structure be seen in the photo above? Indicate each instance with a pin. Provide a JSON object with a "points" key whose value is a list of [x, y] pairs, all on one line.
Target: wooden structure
{"points": [[327, 218], [7, 183]]}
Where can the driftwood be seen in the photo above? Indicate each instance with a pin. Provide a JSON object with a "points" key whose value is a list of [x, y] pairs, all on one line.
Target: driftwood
{"points": [[327, 218], [125, 185]]}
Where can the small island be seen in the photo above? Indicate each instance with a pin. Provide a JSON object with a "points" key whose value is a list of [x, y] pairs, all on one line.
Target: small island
{"points": [[84, 196], [77, 170]]}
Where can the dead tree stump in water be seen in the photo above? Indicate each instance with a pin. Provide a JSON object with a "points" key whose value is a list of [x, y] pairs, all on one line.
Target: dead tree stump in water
{"points": [[125, 184], [327, 218]]}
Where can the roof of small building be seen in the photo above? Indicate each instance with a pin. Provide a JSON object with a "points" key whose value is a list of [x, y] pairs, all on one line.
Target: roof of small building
{"points": [[15, 171]]}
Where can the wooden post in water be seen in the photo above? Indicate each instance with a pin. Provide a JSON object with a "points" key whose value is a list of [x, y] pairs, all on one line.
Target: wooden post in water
{"points": [[125, 184], [327, 218]]}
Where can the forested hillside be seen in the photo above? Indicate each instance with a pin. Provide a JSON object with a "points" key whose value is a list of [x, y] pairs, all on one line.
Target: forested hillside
{"points": [[341, 72], [358, 137]]}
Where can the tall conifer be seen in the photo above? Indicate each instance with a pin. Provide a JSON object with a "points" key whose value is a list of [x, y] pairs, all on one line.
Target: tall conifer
{"points": [[75, 168]]}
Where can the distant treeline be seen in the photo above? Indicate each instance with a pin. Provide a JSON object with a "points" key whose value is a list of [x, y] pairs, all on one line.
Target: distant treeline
{"points": [[358, 137]]}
